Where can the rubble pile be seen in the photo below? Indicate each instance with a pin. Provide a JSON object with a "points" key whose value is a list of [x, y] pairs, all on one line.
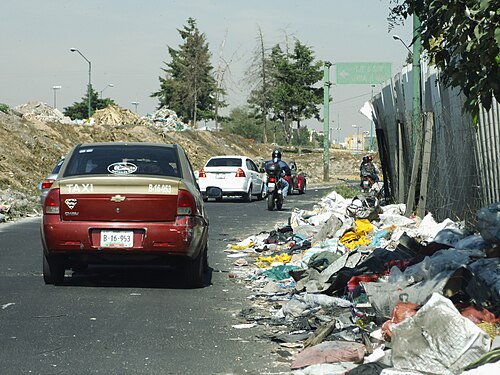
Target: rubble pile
{"points": [[166, 120], [354, 287], [42, 112], [14, 205], [115, 115]]}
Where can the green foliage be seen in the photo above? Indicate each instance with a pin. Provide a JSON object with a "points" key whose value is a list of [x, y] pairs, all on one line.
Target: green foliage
{"points": [[243, 121], [462, 37], [294, 76], [4, 108], [188, 87], [346, 190], [285, 89], [79, 110]]}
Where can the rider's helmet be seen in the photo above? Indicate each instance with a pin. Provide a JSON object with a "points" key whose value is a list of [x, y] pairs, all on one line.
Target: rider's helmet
{"points": [[276, 155], [365, 159]]}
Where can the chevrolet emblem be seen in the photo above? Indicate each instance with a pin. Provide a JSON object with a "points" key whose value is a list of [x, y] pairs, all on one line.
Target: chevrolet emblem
{"points": [[117, 198]]}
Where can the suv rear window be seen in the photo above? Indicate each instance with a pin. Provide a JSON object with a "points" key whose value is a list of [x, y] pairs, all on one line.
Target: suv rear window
{"points": [[57, 167], [123, 160], [224, 162]]}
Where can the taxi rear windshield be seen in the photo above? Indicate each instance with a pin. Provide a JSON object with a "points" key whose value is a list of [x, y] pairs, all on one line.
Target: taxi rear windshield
{"points": [[123, 160]]}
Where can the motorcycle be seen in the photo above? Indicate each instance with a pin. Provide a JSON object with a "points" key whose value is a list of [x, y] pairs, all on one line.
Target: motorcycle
{"points": [[274, 187]]}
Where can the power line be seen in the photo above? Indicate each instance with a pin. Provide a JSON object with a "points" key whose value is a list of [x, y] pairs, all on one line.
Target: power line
{"points": [[354, 97]]}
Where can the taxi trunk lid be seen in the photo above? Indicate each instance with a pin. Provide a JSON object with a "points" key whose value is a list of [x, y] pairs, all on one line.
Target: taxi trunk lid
{"points": [[118, 198]]}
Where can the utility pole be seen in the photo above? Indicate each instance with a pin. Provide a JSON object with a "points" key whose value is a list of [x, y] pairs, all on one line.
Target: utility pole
{"points": [[326, 121], [416, 116], [417, 50], [371, 126]]}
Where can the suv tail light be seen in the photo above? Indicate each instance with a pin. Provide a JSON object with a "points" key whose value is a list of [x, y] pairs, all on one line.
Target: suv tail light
{"points": [[202, 173], [186, 204], [52, 202], [240, 173], [47, 183]]}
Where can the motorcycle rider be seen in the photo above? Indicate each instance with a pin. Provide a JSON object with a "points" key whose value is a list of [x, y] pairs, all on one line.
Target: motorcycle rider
{"points": [[285, 170], [367, 168]]}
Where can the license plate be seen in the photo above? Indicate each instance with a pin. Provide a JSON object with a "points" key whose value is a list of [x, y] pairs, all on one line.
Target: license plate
{"points": [[270, 185], [219, 175], [120, 238]]}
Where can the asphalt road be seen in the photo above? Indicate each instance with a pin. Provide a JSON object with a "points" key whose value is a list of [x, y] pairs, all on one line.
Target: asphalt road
{"points": [[125, 320]]}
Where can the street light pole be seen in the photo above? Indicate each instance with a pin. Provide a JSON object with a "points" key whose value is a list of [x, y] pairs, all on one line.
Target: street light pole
{"points": [[89, 88], [338, 137], [109, 85], [357, 136], [135, 104], [397, 37], [55, 88]]}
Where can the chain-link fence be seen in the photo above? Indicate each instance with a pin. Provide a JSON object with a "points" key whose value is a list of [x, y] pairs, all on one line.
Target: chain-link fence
{"points": [[440, 162]]}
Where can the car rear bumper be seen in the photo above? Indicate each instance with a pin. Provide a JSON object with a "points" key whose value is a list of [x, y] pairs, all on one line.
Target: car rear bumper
{"points": [[227, 189], [185, 237]]}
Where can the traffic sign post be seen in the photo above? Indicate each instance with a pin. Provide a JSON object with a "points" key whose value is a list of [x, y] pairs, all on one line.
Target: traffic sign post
{"points": [[362, 73]]}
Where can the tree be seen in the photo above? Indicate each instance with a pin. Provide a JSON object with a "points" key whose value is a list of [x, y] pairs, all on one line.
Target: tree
{"points": [[462, 38], [294, 76], [189, 87], [242, 122], [258, 76], [79, 110], [220, 78]]}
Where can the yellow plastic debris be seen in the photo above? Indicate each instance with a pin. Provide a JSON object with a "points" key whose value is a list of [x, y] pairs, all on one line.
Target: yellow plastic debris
{"points": [[357, 236], [489, 328], [263, 262], [241, 247]]}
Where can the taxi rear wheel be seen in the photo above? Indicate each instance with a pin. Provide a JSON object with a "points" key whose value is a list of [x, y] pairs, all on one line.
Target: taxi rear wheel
{"points": [[53, 270], [194, 270]]}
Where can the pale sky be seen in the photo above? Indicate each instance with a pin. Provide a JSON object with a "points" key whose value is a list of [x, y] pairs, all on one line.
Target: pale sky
{"points": [[126, 42]]}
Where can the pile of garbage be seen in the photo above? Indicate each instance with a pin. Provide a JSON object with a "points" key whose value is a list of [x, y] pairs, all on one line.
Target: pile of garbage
{"points": [[353, 287], [166, 120], [115, 115], [15, 205], [42, 112]]}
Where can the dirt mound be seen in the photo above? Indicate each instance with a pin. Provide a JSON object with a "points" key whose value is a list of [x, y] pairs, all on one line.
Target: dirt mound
{"points": [[115, 115]]}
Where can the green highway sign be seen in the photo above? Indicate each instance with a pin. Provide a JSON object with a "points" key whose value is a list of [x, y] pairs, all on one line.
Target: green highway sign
{"points": [[362, 73]]}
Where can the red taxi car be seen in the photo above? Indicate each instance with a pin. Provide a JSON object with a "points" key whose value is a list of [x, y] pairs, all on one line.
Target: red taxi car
{"points": [[124, 203]]}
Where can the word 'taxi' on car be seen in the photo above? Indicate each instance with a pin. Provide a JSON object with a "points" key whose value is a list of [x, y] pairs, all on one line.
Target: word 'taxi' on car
{"points": [[125, 203]]}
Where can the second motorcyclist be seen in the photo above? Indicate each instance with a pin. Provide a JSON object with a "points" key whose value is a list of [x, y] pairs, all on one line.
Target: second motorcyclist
{"points": [[368, 169]]}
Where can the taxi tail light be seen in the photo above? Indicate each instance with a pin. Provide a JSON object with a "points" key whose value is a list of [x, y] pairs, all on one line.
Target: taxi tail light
{"points": [[202, 173], [272, 179], [186, 204], [51, 205], [240, 173], [47, 183]]}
